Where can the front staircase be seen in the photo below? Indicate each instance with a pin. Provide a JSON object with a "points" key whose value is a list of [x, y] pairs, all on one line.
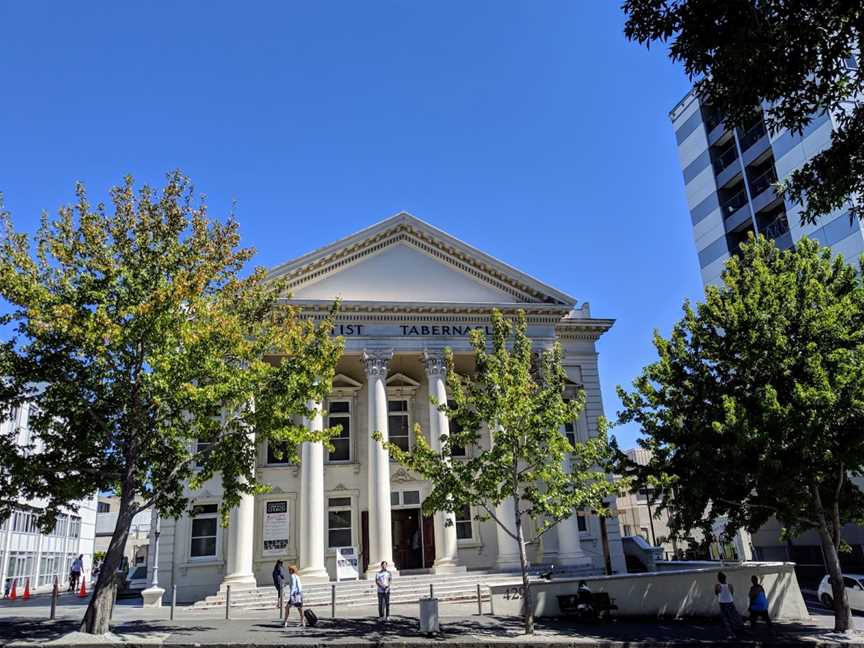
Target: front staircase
{"points": [[404, 589]]}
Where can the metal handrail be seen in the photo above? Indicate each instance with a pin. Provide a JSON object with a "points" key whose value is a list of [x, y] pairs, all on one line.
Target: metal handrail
{"points": [[724, 159], [777, 228], [736, 202], [763, 181], [753, 135]]}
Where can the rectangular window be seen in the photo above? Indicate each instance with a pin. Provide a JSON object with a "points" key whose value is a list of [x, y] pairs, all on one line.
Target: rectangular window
{"points": [[103, 507], [455, 428], [204, 527], [75, 527], [394, 498], [278, 452], [340, 414], [410, 498], [581, 522], [202, 450], [398, 430], [570, 432], [339, 522], [464, 530]]}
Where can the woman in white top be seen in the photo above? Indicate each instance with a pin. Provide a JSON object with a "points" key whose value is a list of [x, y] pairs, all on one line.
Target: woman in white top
{"points": [[295, 595], [726, 597]]}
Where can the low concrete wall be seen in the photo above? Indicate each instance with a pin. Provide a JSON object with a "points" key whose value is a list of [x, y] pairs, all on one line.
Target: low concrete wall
{"points": [[681, 593]]}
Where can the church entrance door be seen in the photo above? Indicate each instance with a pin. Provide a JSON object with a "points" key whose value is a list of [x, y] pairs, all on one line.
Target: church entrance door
{"points": [[407, 538]]}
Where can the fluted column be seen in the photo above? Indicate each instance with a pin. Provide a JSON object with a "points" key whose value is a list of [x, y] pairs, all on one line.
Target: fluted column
{"points": [[311, 522], [446, 554], [380, 530], [570, 553]]}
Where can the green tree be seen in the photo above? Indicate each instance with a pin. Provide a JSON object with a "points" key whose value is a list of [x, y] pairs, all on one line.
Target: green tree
{"points": [[793, 57], [756, 404], [149, 358], [529, 465]]}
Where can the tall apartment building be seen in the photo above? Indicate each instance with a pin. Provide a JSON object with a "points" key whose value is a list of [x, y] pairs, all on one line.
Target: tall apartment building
{"points": [[728, 173], [26, 552]]}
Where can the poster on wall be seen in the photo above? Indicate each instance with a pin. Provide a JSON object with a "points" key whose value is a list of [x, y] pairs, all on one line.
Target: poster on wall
{"points": [[276, 528], [347, 564]]}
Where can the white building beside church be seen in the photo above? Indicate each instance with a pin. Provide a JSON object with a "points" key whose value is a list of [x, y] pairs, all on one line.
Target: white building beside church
{"points": [[408, 291]]}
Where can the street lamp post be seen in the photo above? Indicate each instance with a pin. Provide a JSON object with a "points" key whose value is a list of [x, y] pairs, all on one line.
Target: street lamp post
{"points": [[153, 595]]}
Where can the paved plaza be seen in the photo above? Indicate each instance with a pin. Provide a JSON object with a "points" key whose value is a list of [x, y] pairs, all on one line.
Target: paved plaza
{"points": [[27, 623]]}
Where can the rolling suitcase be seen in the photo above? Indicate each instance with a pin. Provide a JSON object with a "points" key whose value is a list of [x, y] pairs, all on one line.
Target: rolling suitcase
{"points": [[311, 617]]}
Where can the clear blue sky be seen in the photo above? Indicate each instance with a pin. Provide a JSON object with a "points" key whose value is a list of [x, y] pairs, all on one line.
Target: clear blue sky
{"points": [[533, 131]]}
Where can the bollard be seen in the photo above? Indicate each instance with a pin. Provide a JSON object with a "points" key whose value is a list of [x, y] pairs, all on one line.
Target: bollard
{"points": [[173, 600], [54, 593], [431, 591], [227, 601], [332, 600], [491, 603], [479, 602]]}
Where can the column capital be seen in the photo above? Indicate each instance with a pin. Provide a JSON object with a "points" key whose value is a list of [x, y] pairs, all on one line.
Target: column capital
{"points": [[435, 363], [377, 362]]}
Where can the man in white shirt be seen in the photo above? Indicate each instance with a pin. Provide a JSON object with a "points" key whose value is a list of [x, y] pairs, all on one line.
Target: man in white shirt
{"points": [[382, 580]]}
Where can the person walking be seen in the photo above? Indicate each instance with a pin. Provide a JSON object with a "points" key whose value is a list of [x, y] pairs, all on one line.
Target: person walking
{"points": [[728, 614], [278, 582], [758, 603], [295, 595], [75, 572], [382, 580]]}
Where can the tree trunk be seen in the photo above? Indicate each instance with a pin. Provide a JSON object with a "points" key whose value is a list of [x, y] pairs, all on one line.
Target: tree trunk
{"points": [[96, 619], [842, 612], [528, 610]]}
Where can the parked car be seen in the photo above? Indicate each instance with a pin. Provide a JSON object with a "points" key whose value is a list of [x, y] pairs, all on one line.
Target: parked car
{"points": [[854, 591], [136, 580]]}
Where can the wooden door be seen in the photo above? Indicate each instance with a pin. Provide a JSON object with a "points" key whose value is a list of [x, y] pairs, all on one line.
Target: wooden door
{"points": [[428, 541], [364, 539]]}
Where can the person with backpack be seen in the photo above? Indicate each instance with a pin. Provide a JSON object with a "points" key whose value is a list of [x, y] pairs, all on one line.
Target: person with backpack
{"points": [[728, 613], [278, 581], [758, 603], [382, 580], [295, 595]]}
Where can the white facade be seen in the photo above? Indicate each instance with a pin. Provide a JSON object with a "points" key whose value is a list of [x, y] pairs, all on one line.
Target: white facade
{"points": [[27, 553], [408, 292]]}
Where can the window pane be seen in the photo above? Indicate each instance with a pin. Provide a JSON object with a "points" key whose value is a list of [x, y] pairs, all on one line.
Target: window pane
{"points": [[339, 538], [341, 450], [394, 499], [463, 530], [278, 453], [204, 508], [397, 425], [411, 497], [203, 527], [401, 442], [397, 406], [582, 523], [343, 422], [203, 547], [339, 501], [339, 519], [339, 406], [457, 451]]}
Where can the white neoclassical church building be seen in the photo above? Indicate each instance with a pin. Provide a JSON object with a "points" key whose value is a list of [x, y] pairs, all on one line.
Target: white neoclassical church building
{"points": [[408, 291]]}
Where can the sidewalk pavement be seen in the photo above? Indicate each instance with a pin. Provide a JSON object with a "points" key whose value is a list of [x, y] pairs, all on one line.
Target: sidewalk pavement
{"points": [[461, 626]]}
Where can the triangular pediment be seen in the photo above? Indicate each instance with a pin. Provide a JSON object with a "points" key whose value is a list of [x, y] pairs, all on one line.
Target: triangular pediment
{"points": [[404, 259]]}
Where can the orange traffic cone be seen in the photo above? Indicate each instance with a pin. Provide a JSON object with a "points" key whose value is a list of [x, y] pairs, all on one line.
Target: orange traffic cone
{"points": [[27, 589], [82, 593], [13, 595]]}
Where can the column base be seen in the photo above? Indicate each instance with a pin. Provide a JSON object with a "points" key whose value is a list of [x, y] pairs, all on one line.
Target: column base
{"points": [[314, 575], [152, 596], [508, 563], [448, 567], [574, 560], [238, 583]]}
